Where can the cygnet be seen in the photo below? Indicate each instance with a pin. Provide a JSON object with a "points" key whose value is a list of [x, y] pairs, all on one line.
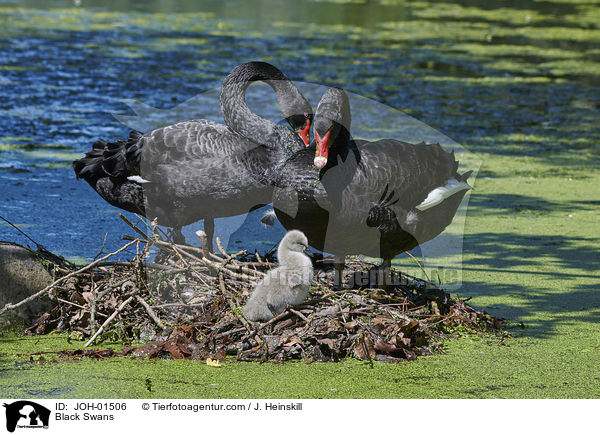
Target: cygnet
{"points": [[287, 284]]}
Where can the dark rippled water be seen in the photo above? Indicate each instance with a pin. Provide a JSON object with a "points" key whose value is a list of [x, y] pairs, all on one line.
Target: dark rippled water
{"points": [[497, 77]]}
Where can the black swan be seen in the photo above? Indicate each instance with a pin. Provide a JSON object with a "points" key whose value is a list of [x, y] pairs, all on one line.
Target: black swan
{"points": [[200, 169], [287, 284], [376, 198]]}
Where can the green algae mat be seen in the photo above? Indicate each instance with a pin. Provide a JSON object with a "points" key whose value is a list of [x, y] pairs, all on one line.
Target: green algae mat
{"points": [[529, 257]]}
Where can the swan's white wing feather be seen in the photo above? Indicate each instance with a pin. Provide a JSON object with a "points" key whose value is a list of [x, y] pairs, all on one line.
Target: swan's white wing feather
{"points": [[436, 196], [138, 179]]}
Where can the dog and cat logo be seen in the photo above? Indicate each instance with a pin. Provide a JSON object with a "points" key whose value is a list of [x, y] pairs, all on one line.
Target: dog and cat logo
{"points": [[26, 414]]}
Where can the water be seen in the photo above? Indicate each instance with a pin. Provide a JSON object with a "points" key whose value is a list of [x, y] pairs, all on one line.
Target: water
{"points": [[498, 77]]}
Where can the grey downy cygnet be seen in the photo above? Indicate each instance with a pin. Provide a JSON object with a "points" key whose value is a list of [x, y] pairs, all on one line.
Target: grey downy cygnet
{"points": [[287, 284]]}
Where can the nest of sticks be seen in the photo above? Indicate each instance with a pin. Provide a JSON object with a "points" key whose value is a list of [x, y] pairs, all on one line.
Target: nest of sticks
{"points": [[187, 304]]}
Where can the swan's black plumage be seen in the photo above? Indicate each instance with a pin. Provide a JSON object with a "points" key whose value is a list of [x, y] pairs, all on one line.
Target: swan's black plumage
{"points": [[105, 169], [200, 169], [364, 199]]}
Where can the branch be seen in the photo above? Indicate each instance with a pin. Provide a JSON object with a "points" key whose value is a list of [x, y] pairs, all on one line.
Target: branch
{"points": [[110, 319], [151, 312]]}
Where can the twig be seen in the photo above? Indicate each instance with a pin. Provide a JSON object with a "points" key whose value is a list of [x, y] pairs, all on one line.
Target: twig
{"points": [[176, 304], [186, 247], [82, 330], [318, 299], [299, 314], [221, 247], [110, 319], [134, 228], [151, 312], [236, 267], [228, 295], [201, 277], [418, 264], [305, 328], [179, 252], [230, 332], [79, 306], [232, 257], [64, 278], [260, 260], [218, 267], [21, 231], [178, 249], [114, 286], [203, 242], [443, 319], [363, 339], [151, 226], [102, 247], [146, 264], [274, 320], [92, 304]]}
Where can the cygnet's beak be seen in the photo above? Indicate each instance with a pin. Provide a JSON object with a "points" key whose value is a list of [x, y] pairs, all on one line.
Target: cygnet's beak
{"points": [[308, 252]]}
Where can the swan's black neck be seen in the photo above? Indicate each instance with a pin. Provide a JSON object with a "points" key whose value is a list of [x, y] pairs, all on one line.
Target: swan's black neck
{"points": [[243, 121], [340, 149]]}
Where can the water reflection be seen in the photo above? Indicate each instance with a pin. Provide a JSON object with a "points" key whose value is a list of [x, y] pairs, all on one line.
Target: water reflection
{"points": [[502, 77], [256, 14]]}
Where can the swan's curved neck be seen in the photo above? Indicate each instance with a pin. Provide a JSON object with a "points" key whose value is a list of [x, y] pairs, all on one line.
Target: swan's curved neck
{"points": [[341, 146], [286, 257], [241, 119]]}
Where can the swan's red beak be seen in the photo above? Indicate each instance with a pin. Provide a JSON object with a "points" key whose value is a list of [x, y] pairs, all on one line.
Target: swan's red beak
{"points": [[304, 133], [322, 153]]}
